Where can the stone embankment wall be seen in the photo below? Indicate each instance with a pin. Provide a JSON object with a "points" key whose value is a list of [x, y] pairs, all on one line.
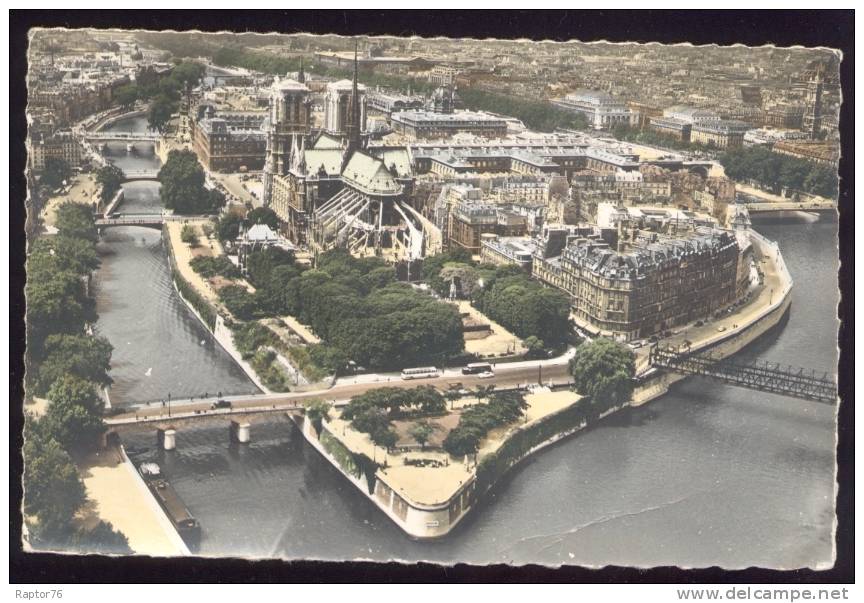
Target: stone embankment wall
{"points": [[209, 317]]}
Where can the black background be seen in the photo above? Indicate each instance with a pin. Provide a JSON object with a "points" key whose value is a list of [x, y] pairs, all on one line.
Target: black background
{"points": [[834, 29]]}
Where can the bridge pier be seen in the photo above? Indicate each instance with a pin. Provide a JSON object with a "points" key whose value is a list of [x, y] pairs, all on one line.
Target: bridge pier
{"points": [[239, 432], [167, 438]]}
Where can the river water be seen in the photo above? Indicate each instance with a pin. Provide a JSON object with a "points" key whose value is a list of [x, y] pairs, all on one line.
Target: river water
{"points": [[707, 475], [160, 348]]}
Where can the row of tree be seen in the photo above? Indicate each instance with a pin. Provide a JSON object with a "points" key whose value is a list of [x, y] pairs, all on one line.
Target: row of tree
{"points": [[66, 364], [476, 421], [373, 411], [525, 307], [536, 114], [774, 171], [265, 62]]}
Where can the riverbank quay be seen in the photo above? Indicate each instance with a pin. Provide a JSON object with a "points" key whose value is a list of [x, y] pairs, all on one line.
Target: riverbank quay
{"points": [[83, 189], [427, 492], [119, 495], [200, 296]]}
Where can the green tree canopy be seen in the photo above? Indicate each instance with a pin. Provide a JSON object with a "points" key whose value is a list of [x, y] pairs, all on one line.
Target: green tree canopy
{"points": [[188, 235], [77, 355], [76, 220], [317, 411], [110, 177], [182, 189], [263, 215], [74, 416], [55, 172], [228, 228], [56, 303], [101, 539], [60, 252], [421, 431], [160, 112], [475, 421], [53, 490], [603, 370], [775, 171], [126, 95], [537, 114]]}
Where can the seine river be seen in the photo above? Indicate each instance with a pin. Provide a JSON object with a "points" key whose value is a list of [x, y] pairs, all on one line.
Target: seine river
{"points": [[160, 348], [707, 475]]}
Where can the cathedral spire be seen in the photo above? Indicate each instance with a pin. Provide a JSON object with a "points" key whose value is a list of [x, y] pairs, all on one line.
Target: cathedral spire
{"points": [[354, 126], [301, 77]]}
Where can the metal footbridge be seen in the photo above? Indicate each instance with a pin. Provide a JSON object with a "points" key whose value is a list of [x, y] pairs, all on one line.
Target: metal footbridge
{"points": [[766, 376]]}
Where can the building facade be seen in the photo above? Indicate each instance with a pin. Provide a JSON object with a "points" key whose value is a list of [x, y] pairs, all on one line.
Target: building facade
{"points": [[720, 134], [653, 285], [428, 124], [602, 110], [230, 142]]}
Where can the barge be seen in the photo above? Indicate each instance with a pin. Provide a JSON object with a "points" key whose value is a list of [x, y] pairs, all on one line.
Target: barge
{"points": [[182, 519]]}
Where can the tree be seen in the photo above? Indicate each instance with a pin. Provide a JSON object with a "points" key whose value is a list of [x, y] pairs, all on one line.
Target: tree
{"points": [[228, 227], [483, 391], [53, 490], [103, 539], [56, 171], [386, 438], [536, 348], [183, 190], [188, 235], [75, 220], [78, 355], [604, 370], [61, 252], [263, 215], [126, 95], [160, 112], [239, 301], [476, 421], [187, 73], [56, 303], [110, 177], [317, 411], [421, 431], [74, 416], [453, 393]]}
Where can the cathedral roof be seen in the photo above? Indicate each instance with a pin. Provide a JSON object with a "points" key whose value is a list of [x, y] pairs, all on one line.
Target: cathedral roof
{"points": [[325, 141], [398, 159], [330, 159], [369, 175]]}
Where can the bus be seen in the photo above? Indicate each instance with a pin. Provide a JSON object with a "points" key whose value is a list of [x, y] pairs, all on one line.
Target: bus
{"points": [[476, 368], [425, 372]]}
